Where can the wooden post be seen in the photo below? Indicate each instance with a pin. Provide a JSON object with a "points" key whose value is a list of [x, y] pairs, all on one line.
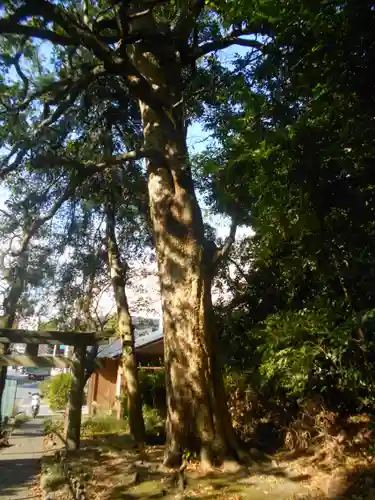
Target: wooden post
{"points": [[73, 427]]}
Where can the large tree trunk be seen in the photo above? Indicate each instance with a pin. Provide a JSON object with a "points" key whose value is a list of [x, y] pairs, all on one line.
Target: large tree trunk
{"points": [[126, 332], [197, 415]]}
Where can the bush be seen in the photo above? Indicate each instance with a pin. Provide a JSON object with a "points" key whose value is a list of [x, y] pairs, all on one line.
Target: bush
{"points": [[53, 425], [152, 387], [44, 386], [20, 419], [59, 389], [102, 426], [154, 422]]}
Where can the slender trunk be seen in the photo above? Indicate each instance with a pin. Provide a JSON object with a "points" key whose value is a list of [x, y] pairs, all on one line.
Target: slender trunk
{"points": [[20, 270], [73, 427], [10, 303], [197, 415], [82, 368], [126, 332]]}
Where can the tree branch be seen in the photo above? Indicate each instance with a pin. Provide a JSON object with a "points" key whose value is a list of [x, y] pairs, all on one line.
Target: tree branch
{"points": [[80, 34], [8, 28], [186, 17], [223, 252], [41, 92], [223, 43], [70, 93], [114, 161], [38, 223], [76, 33], [135, 155], [5, 170], [239, 269]]}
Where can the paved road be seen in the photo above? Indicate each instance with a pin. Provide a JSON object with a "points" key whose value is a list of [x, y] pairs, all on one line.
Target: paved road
{"points": [[25, 388], [20, 462]]}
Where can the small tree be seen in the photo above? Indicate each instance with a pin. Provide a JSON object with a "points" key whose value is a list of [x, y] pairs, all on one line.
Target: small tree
{"points": [[59, 391]]}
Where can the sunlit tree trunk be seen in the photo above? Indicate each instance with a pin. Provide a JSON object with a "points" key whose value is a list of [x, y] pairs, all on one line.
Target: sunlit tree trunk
{"points": [[197, 415], [126, 333]]}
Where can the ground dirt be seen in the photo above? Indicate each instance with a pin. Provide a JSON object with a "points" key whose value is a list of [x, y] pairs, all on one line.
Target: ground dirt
{"points": [[111, 468]]}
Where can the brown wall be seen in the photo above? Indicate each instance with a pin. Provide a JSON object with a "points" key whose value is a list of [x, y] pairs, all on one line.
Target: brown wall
{"points": [[102, 386]]}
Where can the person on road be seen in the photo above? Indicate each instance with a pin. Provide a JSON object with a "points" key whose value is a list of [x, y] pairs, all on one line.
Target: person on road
{"points": [[35, 404]]}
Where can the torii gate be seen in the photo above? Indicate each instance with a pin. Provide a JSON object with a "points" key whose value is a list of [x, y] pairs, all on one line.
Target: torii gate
{"points": [[80, 341]]}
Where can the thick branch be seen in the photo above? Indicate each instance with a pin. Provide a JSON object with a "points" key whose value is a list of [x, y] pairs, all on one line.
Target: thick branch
{"points": [[186, 17], [223, 252], [76, 33], [113, 161], [9, 28], [119, 159], [79, 34], [223, 43], [5, 170]]}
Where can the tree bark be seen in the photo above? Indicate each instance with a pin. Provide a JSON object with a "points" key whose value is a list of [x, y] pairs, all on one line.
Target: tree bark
{"points": [[73, 423], [10, 303], [82, 373], [197, 415], [126, 333]]}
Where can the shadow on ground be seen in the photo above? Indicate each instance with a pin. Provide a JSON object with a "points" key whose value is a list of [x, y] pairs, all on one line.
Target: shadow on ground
{"points": [[358, 484], [112, 467], [34, 428], [15, 474]]}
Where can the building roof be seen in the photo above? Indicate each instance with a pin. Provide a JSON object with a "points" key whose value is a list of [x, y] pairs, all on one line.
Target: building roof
{"points": [[143, 337]]}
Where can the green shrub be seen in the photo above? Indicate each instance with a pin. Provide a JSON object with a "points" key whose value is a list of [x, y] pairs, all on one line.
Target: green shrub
{"points": [[53, 425], [44, 386], [102, 426], [53, 477], [20, 419], [59, 390], [154, 421], [152, 387]]}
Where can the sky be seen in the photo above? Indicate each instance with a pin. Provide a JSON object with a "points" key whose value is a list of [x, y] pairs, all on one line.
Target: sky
{"points": [[198, 140]]}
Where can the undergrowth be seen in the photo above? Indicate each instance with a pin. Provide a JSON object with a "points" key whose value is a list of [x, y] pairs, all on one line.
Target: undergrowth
{"points": [[102, 425], [20, 418]]}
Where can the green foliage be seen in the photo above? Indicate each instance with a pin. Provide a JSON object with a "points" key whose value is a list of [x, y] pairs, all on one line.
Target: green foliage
{"points": [[154, 421], [59, 390], [316, 351], [152, 388], [44, 387], [53, 425], [293, 157], [20, 419], [102, 425]]}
